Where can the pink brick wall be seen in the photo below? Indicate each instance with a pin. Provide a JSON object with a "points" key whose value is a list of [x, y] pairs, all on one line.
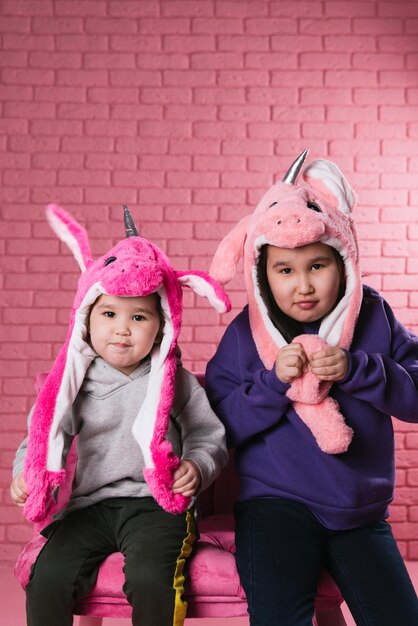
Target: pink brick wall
{"points": [[186, 111]]}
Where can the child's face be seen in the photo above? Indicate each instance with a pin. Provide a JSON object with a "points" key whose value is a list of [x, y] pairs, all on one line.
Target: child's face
{"points": [[304, 281], [123, 330]]}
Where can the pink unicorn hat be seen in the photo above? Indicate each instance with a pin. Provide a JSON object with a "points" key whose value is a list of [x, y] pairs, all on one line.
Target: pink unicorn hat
{"points": [[134, 267], [290, 215]]}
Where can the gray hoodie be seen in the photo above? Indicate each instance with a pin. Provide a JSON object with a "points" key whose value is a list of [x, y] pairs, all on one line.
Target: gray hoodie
{"points": [[109, 460]]}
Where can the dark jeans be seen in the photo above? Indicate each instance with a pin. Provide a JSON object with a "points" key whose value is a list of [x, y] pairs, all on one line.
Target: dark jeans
{"points": [[281, 548], [154, 543]]}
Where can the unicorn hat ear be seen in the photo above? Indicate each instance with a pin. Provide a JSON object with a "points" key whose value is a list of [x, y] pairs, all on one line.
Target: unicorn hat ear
{"points": [[331, 182], [205, 286], [71, 233], [229, 252]]}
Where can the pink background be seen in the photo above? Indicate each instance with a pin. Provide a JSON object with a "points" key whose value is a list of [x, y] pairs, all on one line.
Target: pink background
{"points": [[187, 111]]}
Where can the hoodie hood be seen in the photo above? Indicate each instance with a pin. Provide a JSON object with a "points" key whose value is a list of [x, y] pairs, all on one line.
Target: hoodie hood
{"points": [[102, 379], [134, 267]]}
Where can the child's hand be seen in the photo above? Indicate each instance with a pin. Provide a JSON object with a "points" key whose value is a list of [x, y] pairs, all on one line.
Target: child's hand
{"points": [[186, 479], [19, 490], [290, 362], [329, 364]]}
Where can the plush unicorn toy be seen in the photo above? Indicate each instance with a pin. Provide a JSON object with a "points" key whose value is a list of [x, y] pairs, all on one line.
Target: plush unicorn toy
{"points": [[134, 267], [290, 215]]}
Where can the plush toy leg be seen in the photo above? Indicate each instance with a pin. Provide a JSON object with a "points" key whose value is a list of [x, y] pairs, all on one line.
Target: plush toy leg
{"points": [[327, 425], [90, 620]]}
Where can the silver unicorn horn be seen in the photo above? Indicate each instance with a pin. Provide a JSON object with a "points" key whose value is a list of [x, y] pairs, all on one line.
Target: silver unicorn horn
{"points": [[130, 228], [293, 171]]}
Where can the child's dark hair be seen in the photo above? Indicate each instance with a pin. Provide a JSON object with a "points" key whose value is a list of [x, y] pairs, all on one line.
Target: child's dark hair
{"points": [[288, 327]]}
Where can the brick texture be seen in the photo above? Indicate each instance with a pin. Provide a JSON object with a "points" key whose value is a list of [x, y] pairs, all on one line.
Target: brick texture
{"points": [[187, 111]]}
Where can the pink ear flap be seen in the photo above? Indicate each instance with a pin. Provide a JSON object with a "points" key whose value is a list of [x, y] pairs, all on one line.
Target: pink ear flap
{"points": [[331, 183], [230, 250], [205, 286], [71, 233]]}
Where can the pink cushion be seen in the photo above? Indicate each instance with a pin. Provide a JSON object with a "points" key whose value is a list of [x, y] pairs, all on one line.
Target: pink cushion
{"points": [[213, 587], [27, 557], [328, 595], [213, 577], [219, 531]]}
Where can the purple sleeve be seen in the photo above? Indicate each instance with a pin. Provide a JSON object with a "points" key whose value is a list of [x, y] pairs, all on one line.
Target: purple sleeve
{"points": [[248, 399], [389, 382]]}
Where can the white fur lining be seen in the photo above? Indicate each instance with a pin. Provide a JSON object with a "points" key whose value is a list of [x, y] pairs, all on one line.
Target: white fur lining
{"points": [[80, 355], [333, 324]]}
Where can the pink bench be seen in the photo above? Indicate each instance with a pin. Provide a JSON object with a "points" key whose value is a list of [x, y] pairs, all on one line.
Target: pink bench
{"points": [[213, 588]]}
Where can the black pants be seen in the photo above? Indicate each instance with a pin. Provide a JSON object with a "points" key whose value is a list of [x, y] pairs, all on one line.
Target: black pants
{"points": [[281, 547], [154, 543]]}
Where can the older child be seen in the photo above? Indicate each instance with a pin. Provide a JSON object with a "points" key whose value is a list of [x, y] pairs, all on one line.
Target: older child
{"points": [[306, 380], [147, 440]]}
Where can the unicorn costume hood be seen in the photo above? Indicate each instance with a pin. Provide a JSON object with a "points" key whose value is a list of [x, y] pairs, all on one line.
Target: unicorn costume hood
{"points": [[290, 215], [134, 267]]}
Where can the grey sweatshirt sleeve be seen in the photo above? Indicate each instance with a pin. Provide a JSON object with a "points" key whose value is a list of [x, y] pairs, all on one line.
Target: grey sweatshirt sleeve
{"points": [[202, 433], [19, 460]]}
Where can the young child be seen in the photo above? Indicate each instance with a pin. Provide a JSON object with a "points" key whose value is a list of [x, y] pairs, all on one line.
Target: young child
{"points": [[147, 440], [306, 379]]}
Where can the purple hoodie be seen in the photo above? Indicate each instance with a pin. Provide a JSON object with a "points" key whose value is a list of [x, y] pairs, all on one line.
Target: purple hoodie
{"points": [[276, 454]]}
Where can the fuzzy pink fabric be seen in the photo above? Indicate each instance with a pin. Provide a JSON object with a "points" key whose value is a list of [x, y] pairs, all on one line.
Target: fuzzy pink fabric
{"points": [[315, 408], [137, 268], [40, 480], [283, 218], [160, 479]]}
